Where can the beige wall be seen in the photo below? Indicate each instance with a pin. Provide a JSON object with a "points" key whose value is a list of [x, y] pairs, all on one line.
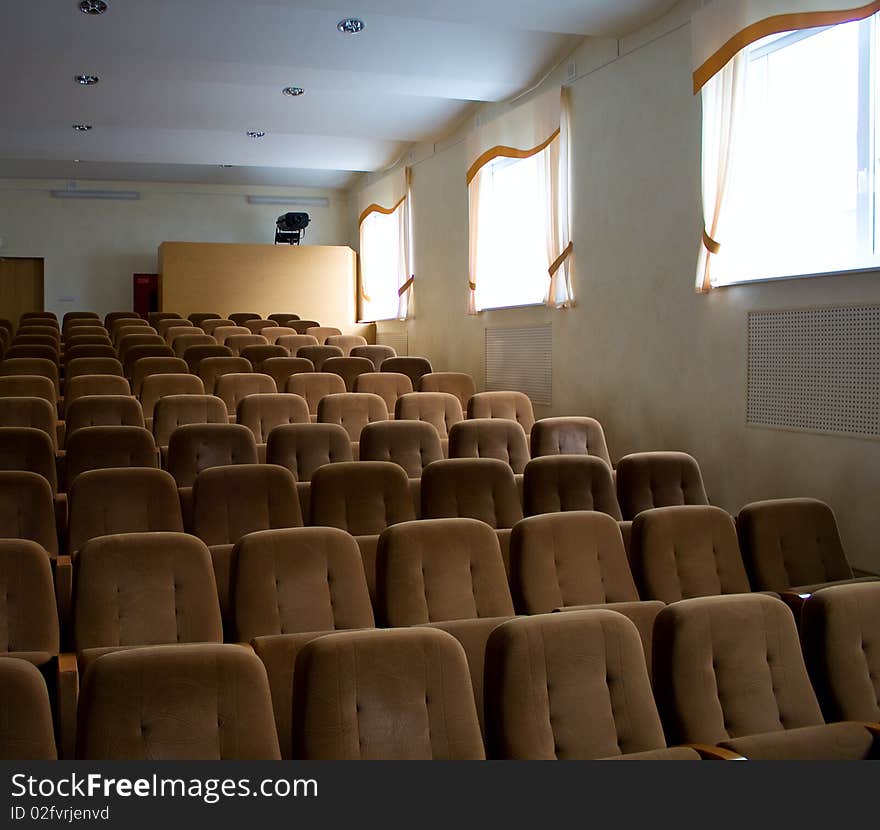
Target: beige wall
{"points": [[92, 248], [660, 366]]}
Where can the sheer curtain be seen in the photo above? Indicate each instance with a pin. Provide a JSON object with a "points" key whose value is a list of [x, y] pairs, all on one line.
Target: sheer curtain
{"points": [[722, 99], [557, 172]]}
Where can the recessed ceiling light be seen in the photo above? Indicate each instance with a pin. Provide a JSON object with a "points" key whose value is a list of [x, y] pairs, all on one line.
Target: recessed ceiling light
{"points": [[351, 26], [293, 91], [86, 80], [82, 128], [93, 6], [226, 166], [256, 133]]}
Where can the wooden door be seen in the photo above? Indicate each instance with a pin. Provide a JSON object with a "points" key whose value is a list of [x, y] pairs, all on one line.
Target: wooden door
{"points": [[21, 287]]}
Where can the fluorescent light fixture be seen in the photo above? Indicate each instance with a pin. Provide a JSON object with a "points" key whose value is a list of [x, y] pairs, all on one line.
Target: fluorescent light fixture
{"points": [[123, 195], [305, 201]]}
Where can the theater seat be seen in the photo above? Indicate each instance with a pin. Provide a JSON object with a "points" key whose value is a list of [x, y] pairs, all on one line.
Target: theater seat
{"points": [[213, 368], [514, 406], [149, 366], [346, 342], [490, 438], [384, 695], [194, 355], [439, 409], [264, 412], [572, 687], [557, 483], [373, 353], [290, 587], [569, 436], [103, 411], [348, 368], [232, 388], [318, 354], [281, 369], [413, 367], [728, 670], [96, 448], [156, 387], [27, 509], [26, 732], [387, 385], [658, 479], [455, 383], [202, 702], [352, 411]]}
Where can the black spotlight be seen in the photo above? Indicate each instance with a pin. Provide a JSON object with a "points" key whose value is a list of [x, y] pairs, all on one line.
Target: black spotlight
{"points": [[290, 228]]}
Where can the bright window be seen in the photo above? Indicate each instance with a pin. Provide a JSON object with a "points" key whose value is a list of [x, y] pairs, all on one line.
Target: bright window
{"points": [[383, 263], [512, 244], [802, 197]]}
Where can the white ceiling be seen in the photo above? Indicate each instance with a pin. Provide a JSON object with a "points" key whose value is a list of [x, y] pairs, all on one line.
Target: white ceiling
{"points": [[183, 80]]}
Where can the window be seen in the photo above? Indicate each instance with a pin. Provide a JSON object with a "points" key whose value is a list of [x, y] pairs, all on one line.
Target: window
{"points": [[512, 246], [802, 194], [383, 262]]}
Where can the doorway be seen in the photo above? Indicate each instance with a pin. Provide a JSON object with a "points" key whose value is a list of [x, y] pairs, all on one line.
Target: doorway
{"points": [[21, 286]]}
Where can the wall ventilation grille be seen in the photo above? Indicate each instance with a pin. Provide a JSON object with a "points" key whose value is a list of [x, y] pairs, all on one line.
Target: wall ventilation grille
{"points": [[816, 370], [521, 360], [398, 340]]}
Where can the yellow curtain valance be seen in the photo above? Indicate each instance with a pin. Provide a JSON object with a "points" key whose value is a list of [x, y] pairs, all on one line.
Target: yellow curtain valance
{"points": [[724, 27], [384, 196], [374, 208], [500, 151]]}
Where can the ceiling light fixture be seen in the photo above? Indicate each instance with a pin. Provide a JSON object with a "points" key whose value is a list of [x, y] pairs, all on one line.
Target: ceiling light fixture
{"points": [[93, 6], [86, 80], [293, 91], [226, 166], [256, 133], [302, 201], [351, 26], [82, 128]]}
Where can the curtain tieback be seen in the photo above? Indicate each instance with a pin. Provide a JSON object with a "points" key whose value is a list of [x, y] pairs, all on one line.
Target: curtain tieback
{"points": [[472, 286], [710, 244], [406, 286], [557, 263]]}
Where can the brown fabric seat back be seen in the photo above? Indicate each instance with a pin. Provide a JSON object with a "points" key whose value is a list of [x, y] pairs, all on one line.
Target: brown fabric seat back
{"points": [[28, 618], [70, 316], [27, 510], [134, 500], [221, 333], [104, 447], [563, 559], [299, 580], [194, 355], [440, 409], [196, 447], [303, 326], [411, 444], [472, 488], [93, 366], [375, 354], [318, 354], [113, 316], [240, 318], [439, 570], [199, 317], [726, 667], [514, 406], [175, 330], [232, 388], [275, 333], [149, 366], [686, 551], [213, 368], [138, 337], [210, 326], [32, 350], [385, 695], [362, 497], [202, 702], [232, 501], [348, 368], [136, 353], [104, 411], [140, 589], [37, 413], [658, 479], [791, 542], [346, 342], [490, 438], [26, 733], [130, 321], [571, 686], [156, 387], [31, 366], [321, 333], [455, 383], [569, 436], [264, 412], [283, 318], [239, 342], [260, 352], [29, 450], [88, 350], [293, 342], [173, 411], [556, 483], [80, 340], [257, 326], [413, 367], [387, 385], [303, 448], [28, 386], [186, 341], [352, 411], [280, 369], [840, 631]]}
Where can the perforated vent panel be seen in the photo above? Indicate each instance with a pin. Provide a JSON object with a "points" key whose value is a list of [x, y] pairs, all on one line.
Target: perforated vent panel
{"points": [[816, 369], [521, 360], [398, 340]]}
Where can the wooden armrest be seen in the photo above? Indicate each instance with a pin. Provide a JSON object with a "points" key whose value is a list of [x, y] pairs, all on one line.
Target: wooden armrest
{"points": [[715, 753], [68, 694], [873, 728], [795, 601], [64, 591]]}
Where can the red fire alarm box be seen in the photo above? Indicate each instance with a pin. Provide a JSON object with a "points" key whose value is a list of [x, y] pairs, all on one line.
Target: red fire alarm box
{"points": [[145, 294]]}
